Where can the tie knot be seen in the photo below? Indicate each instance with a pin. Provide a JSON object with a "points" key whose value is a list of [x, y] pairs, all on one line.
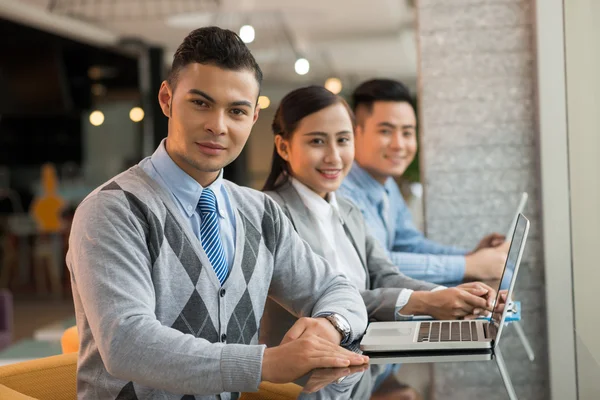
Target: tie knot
{"points": [[208, 201]]}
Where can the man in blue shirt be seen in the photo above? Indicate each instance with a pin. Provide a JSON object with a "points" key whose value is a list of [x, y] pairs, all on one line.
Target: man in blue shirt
{"points": [[386, 144]]}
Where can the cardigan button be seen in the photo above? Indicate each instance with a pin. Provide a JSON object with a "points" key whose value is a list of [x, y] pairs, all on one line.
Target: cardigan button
{"points": [[223, 338], [222, 292]]}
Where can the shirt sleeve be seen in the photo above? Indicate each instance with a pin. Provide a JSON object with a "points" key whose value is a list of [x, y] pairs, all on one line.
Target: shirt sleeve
{"points": [[407, 238], [436, 268], [404, 298], [430, 267]]}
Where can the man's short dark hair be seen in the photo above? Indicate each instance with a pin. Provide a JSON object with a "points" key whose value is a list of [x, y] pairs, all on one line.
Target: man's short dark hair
{"points": [[374, 90], [214, 46]]}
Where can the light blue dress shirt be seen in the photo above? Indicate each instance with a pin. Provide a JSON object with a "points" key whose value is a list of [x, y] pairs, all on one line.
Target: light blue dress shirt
{"points": [[186, 192], [389, 220]]}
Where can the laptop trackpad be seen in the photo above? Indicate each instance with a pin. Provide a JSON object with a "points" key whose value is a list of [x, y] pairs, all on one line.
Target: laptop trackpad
{"points": [[404, 331]]}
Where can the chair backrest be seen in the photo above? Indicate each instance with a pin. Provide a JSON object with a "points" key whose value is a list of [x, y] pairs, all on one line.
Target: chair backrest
{"points": [[70, 340], [8, 393], [49, 378]]}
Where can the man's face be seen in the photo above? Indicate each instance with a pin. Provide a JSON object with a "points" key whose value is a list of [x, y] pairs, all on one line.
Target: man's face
{"points": [[386, 140], [211, 113]]}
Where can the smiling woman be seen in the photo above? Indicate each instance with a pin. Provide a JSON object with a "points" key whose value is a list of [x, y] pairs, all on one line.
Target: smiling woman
{"points": [[313, 140]]}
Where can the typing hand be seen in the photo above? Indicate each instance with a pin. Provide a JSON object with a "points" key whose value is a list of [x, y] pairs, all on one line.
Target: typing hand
{"points": [[491, 240], [482, 290], [313, 326], [453, 303], [288, 362]]}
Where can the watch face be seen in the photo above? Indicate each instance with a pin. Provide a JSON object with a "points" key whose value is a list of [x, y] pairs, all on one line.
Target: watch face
{"points": [[340, 325]]}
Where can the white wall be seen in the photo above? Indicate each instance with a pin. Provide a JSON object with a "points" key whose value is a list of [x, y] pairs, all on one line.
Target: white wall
{"points": [[555, 199], [582, 33]]}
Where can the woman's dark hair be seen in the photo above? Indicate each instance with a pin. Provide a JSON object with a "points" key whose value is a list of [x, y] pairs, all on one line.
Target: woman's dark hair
{"points": [[295, 106]]}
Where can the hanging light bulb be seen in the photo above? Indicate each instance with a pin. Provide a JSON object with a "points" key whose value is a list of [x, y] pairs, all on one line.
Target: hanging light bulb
{"points": [[98, 89], [264, 102], [334, 85], [302, 66], [136, 114], [247, 33], [96, 118]]}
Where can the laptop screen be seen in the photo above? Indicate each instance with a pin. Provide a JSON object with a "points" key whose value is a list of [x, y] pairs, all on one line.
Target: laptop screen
{"points": [[520, 209], [513, 260]]}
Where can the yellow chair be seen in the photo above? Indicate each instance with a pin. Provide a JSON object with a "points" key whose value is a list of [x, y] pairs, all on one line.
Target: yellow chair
{"points": [[9, 394], [266, 391], [70, 340], [49, 378]]}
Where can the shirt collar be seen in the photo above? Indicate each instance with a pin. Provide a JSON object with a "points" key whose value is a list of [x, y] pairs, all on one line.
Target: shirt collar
{"points": [[315, 203], [186, 189], [374, 190]]}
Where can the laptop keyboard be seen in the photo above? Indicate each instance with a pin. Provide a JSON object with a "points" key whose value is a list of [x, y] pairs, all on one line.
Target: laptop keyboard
{"points": [[448, 331]]}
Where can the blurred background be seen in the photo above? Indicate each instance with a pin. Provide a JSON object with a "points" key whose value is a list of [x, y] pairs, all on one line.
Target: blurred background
{"points": [[78, 104]]}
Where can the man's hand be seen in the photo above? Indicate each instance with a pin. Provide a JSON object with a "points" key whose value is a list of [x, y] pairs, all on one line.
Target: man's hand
{"points": [[477, 288], [486, 264], [287, 362], [313, 326], [452, 303], [491, 240], [482, 290]]}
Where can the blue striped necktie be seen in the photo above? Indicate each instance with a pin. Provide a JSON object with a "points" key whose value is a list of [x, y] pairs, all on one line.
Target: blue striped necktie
{"points": [[209, 233]]}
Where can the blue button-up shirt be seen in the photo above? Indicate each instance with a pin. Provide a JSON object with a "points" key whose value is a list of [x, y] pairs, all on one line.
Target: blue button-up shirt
{"points": [[389, 220], [186, 192]]}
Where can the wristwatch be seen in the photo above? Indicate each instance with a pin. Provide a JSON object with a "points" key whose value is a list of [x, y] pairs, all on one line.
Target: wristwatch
{"points": [[340, 324]]}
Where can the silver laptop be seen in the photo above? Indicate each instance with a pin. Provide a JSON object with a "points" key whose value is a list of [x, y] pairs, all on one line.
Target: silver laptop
{"points": [[520, 209], [449, 335]]}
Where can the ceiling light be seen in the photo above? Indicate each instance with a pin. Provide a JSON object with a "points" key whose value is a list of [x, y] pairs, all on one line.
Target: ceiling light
{"points": [[247, 33], [334, 85], [136, 114], [96, 118], [264, 102], [94, 73], [302, 66], [98, 89], [97, 72]]}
